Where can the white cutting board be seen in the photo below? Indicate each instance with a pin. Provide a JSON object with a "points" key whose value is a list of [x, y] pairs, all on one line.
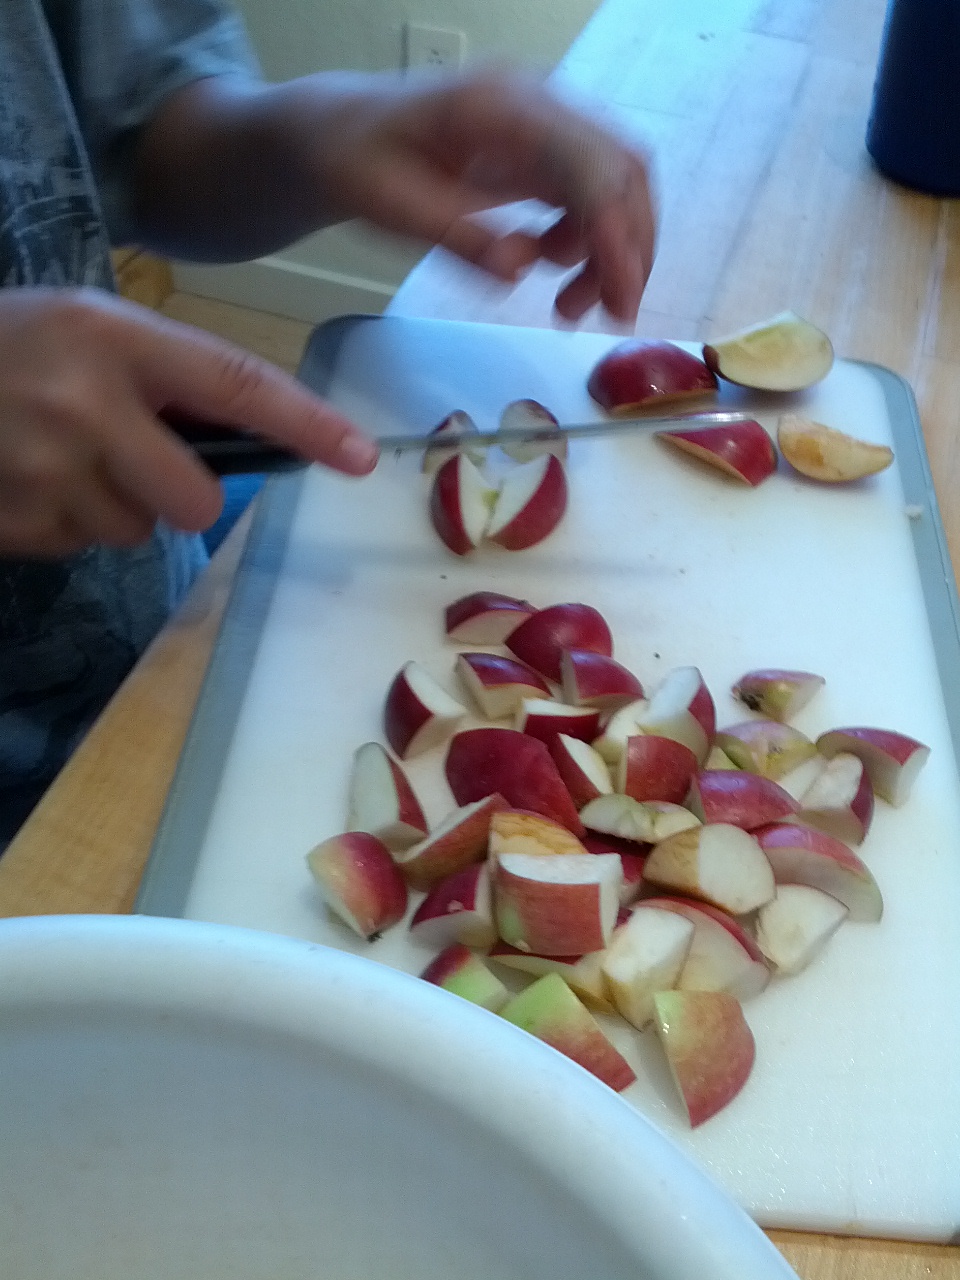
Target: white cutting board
{"points": [[851, 1119]]}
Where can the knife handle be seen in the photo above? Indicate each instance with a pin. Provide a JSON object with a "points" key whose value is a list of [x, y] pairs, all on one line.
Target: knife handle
{"points": [[230, 451]]}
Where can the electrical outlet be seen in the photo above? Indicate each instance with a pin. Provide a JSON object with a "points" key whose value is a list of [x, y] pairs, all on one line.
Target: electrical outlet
{"points": [[433, 46]]}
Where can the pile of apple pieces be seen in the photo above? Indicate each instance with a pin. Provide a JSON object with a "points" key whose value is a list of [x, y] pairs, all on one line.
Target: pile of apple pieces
{"points": [[785, 353], [467, 510], [618, 848]]}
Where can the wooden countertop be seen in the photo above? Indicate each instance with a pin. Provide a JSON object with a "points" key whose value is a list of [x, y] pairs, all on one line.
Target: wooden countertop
{"points": [[756, 111]]}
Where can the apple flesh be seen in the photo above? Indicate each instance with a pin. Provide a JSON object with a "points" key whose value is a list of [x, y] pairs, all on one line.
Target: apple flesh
{"points": [[708, 1046], [531, 415], [457, 970], [359, 881], [529, 505], [458, 909], [460, 501], [595, 680], [822, 453], [655, 768], [784, 353], [775, 693], [549, 1010], [521, 831], [498, 684], [742, 799], [582, 974], [583, 770], [460, 839], [482, 762], [682, 708], [803, 855], [418, 713], [540, 641], [797, 925], [891, 759], [381, 799], [456, 424], [643, 372], [646, 821], [485, 617], [766, 747], [722, 956], [622, 725], [560, 906], [840, 800], [544, 719], [632, 857], [720, 863], [645, 956], [742, 450]]}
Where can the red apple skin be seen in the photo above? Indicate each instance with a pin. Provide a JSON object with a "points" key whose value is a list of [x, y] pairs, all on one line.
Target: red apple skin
{"points": [[596, 680], [643, 372], [541, 513], [360, 882], [551, 918], [485, 617], [495, 671], [582, 788], [459, 971], [481, 762], [458, 909], [739, 798], [655, 768], [445, 511], [782, 841], [541, 640], [879, 749], [709, 1046], [404, 714], [630, 860], [579, 722], [742, 450], [444, 852]]}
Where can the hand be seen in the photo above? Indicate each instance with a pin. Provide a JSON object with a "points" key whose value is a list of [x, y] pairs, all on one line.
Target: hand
{"points": [[420, 156], [83, 455]]}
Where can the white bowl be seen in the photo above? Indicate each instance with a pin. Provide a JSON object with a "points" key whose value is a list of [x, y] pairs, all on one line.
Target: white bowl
{"points": [[181, 1101]]}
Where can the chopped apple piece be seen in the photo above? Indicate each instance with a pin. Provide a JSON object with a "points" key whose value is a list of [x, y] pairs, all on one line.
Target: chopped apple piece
{"points": [[596, 680], [584, 771], [458, 909], [497, 684], [709, 1048], [784, 353], [521, 831], [682, 708], [647, 822], [541, 640], [797, 925], [821, 453], [460, 839], [481, 762], [742, 799], [643, 372], [531, 415], [485, 617], [582, 974], [718, 759], [766, 747], [566, 905], [529, 504], [549, 1010], [891, 759], [721, 864], [742, 450], [655, 768], [456, 425], [803, 855], [723, 956], [460, 501], [622, 725], [777, 694], [464, 974], [381, 799], [544, 719], [632, 857], [840, 799], [418, 713], [359, 881], [645, 955]]}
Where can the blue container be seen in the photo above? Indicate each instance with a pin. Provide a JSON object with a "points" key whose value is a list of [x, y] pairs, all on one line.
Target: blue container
{"points": [[914, 129]]}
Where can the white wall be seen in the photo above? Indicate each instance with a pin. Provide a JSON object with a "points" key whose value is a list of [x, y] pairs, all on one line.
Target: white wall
{"points": [[350, 268]]}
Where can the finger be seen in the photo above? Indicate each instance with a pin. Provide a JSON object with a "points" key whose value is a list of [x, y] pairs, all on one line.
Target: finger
{"points": [[110, 519], [563, 243], [579, 294]]}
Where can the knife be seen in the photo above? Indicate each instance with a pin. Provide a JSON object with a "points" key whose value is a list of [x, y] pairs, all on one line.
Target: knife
{"points": [[234, 451]]}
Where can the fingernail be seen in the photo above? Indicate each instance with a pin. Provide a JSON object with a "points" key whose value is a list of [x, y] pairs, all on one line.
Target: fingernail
{"points": [[358, 454]]}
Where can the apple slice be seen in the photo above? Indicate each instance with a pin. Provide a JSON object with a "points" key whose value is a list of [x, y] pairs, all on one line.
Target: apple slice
{"points": [[784, 353], [541, 640], [742, 449], [520, 831], [741, 799], [645, 955], [458, 909], [529, 504], [459, 971], [439, 451], [798, 781], [722, 956], [797, 925], [418, 713], [481, 762], [682, 709], [622, 725], [485, 617], [566, 905], [775, 693], [646, 821], [544, 719], [460, 503], [803, 855], [766, 747], [531, 415], [840, 800], [891, 759], [582, 974], [549, 1010], [709, 1048], [822, 453], [632, 857], [381, 800], [718, 759], [584, 771], [720, 863], [460, 839], [498, 684], [359, 881], [595, 680], [655, 768], [643, 372]]}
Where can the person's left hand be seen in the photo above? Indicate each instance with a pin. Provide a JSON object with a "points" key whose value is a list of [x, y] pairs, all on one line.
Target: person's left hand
{"points": [[421, 156]]}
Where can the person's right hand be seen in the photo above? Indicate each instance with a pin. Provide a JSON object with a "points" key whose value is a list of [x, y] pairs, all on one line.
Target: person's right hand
{"points": [[84, 457]]}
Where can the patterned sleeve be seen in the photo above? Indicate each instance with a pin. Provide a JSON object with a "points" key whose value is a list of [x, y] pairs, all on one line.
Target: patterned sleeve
{"points": [[121, 58]]}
